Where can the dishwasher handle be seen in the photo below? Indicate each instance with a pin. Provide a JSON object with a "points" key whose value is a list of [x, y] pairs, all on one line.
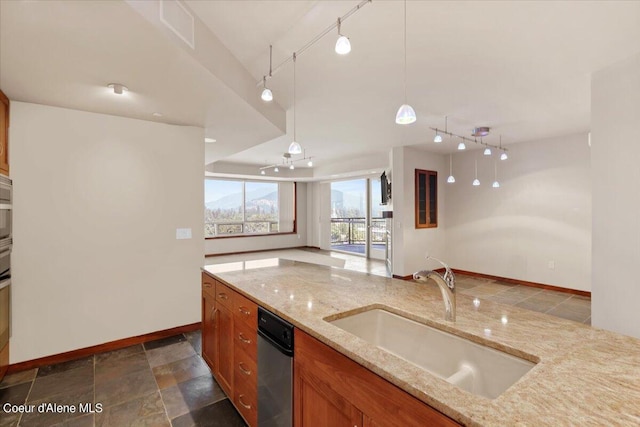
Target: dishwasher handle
{"points": [[282, 349]]}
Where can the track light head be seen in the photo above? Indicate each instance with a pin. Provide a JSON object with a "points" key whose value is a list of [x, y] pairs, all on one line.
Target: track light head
{"points": [[504, 156], [343, 45], [451, 179], [438, 138], [462, 146], [487, 151], [295, 148], [405, 115]]}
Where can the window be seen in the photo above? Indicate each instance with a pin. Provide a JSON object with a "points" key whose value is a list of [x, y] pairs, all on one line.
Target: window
{"points": [[426, 199], [234, 207]]}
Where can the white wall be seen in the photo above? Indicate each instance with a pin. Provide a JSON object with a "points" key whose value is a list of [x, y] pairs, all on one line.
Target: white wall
{"points": [[97, 200], [541, 213], [276, 241], [411, 245], [615, 116]]}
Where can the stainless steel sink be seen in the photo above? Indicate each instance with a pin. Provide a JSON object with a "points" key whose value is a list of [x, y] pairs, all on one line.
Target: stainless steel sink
{"points": [[473, 367]]}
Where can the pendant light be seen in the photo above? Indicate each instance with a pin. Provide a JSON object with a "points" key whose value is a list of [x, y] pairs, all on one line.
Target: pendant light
{"points": [[487, 151], [343, 45], [438, 138], [291, 166], [476, 181], [503, 156], [276, 169], [294, 147], [462, 146], [451, 179], [405, 115], [496, 184], [267, 95]]}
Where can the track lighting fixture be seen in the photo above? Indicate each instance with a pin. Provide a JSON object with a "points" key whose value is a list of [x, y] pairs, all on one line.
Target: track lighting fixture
{"points": [[406, 114], [343, 45], [118, 88], [496, 184], [476, 181], [451, 179]]}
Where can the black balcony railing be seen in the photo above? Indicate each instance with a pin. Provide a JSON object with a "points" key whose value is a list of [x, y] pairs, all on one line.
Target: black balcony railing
{"points": [[353, 231]]}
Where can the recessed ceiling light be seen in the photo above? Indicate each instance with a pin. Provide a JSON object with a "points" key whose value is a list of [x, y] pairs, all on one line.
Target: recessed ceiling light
{"points": [[118, 89], [209, 140], [156, 114]]}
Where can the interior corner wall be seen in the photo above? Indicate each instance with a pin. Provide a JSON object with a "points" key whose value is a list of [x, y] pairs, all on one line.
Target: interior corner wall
{"points": [[539, 218], [411, 245], [261, 243], [615, 115], [97, 200]]}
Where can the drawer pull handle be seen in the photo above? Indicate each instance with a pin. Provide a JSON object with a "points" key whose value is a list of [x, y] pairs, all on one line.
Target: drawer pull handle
{"points": [[243, 370], [243, 339], [244, 311], [242, 403], [207, 285], [212, 314], [224, 296]]}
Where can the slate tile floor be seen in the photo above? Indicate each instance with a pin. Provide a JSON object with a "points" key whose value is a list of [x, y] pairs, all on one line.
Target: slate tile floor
{"points": [[161, 383], [166, 383]]}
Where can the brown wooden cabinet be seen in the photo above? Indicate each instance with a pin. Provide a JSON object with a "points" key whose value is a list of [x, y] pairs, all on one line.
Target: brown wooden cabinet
{"points": [[4, 360], [4, 134], [332, 390], [229, 344]]}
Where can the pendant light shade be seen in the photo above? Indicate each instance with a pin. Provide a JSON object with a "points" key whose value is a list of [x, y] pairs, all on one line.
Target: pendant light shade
{"points": [[496, 184], [295, 148], [405, 115], [262, 172], [504, 156], [451, 179], [461, 146], [487, 151], [267, 95], [292, 167], [438, 138], [276, 169], [343, 45]]}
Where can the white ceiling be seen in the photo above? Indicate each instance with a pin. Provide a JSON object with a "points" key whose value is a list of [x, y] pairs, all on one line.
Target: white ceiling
{"points": [[522, 68]]}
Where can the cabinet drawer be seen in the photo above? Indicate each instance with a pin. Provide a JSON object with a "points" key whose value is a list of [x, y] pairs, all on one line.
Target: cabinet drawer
{"points": [[224, 295], [208, 285], [246, 339], [246, 371], [246, 401], [245, 310]]}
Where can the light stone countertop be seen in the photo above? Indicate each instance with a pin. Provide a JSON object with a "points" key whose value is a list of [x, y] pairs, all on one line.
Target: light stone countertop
{"points": [[584, 376]]}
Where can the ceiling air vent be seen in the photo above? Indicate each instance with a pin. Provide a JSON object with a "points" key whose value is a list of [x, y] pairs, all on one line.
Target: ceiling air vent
{"points": [[178, 19]]}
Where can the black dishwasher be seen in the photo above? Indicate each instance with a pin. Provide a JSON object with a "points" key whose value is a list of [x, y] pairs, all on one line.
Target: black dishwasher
{"points": [[275, 370]]}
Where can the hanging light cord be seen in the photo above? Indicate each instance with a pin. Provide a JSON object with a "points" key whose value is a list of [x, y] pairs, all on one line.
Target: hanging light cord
{"points": [[294, 96], [317, 38], [405, 51], [450, 165]]}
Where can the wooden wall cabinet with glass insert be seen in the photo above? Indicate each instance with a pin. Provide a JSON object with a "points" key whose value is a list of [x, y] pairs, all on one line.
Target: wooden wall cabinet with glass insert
{"points": [[426, 199]]}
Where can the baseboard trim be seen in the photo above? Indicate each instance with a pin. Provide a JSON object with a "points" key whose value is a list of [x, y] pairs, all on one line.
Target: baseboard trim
{"points": [[101, 348], [508, 280], [252, 252]]}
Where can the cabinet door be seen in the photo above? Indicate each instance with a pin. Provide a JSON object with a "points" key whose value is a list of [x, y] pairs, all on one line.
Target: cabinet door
{"points": [[224, 330], [209, 338], [317, 405], [4, 134]]}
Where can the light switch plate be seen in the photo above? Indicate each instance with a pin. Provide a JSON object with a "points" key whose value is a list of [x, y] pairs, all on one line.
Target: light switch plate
{"points": [[183, 233]]}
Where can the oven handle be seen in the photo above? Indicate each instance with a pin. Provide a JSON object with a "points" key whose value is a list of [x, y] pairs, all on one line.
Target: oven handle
{"points": [[6, 206]]}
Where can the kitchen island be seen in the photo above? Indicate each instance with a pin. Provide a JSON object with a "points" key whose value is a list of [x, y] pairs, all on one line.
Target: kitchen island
{"points": [[583, 376]]}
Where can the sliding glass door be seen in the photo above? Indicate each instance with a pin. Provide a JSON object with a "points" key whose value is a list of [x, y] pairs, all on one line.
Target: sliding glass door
{"points": [[357, 226]]}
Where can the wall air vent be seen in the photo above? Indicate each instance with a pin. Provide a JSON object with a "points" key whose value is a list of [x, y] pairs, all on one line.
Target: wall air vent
{"points": [[179, 20]]}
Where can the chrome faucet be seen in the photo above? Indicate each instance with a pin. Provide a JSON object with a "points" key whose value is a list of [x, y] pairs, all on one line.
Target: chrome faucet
{"points": [[447, 286]]}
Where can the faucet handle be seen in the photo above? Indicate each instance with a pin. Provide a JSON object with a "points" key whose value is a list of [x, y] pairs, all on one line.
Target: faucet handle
{"points": [[448, 275]]}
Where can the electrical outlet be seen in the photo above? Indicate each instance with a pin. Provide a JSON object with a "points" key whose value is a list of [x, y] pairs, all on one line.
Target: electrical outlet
{"points": [[183, 233], [552, 265]]}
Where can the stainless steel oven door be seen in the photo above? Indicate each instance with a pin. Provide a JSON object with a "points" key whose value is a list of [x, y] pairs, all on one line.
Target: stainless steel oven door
{"points": [[5, 312]]}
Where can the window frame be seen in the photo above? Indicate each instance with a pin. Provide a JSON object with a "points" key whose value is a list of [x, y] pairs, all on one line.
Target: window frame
{"points": [[428, 197], [242, 235]]}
